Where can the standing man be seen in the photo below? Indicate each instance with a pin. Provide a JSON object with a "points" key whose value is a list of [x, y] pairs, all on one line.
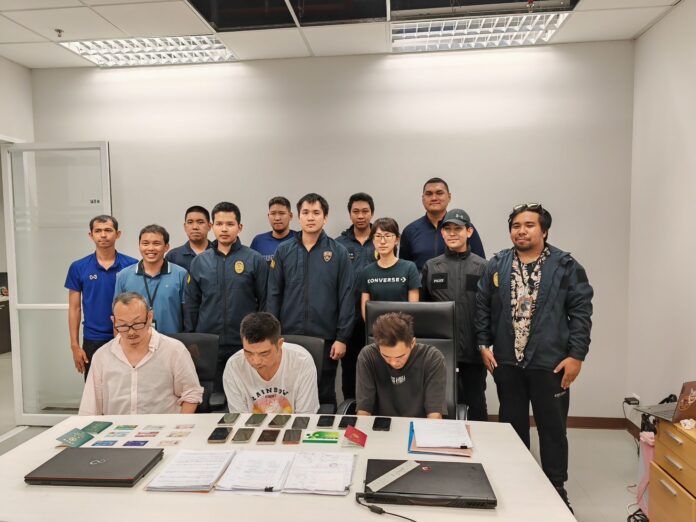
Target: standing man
{"points": [[533, 321], [161, 283], [279, 216], [90, 283], [454, 276], [225, 283], [196, 225], [310, 289], [421, 239], [361, 252]]}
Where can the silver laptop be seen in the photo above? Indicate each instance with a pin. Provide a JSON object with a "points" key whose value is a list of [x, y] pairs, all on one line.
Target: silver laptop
{"points": [[684, 408]]}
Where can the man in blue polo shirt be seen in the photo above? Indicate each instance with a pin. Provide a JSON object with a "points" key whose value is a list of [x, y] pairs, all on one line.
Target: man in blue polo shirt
{"points": [[279, 216], [196, 225], [422, 240], [161, 283], [90, 283]]}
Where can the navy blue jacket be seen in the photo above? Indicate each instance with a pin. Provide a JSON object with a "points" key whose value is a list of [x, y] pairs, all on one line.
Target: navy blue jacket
{"points": [[222, 289], [561, 322], [311, 293], [360, 256]]}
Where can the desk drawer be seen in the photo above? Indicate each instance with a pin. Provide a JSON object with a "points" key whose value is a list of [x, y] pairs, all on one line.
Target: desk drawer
{"points": [[669, 502], [681, 445], [679, 469]]}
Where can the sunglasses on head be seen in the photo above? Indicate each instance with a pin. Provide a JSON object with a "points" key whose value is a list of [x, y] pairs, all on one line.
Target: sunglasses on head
{"points": [[527, 206]]}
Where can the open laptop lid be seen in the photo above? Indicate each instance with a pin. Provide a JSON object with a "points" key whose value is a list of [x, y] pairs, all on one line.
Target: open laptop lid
{"points": [[96, 467], [684, 408]]}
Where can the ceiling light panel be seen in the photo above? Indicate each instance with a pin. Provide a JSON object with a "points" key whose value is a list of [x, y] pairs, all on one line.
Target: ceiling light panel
{"points": [[140, 52], [475, 32]]}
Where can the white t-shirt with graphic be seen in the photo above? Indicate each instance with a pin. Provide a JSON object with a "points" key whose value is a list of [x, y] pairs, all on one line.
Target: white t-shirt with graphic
{"points": [[293, 388]]}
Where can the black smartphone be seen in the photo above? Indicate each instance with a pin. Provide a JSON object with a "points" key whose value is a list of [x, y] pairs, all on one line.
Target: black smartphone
{"points": [[228, 419], [292, 436], [347, 420], [243, 435], [279, 421], [268, 437], [381, 424], [219, 435], [300, 423], [326, 421], [255, 419]]}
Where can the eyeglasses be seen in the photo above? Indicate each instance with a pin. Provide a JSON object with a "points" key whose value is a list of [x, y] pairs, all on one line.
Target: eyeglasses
{"points": [[527, 206], [123, 328], [383, 237]]}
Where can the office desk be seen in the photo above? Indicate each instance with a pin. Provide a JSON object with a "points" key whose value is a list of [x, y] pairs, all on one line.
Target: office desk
{"points": [[524, 494]]}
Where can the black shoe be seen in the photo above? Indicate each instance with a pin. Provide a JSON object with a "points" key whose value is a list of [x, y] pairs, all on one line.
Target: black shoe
{"points": [[564, 495]]}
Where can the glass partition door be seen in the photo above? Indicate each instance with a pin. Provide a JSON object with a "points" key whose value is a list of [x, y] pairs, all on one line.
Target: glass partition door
{"points": [[51, 192]]}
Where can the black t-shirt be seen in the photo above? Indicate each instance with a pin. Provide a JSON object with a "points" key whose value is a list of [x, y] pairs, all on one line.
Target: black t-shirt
{"points": [[389, 284]]}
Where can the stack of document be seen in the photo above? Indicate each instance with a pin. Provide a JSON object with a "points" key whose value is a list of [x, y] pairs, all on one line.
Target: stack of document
{"points": [[445, 437], [321, 473], [192, 471], [260, 471]]}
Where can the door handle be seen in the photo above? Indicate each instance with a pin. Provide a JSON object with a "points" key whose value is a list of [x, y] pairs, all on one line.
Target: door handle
{"points": [[673, 462], [668, 488], [675, 438]]}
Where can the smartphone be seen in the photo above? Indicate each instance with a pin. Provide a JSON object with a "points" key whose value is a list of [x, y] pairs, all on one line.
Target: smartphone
{"points": [[268, 437], [381, 424], [326, 421], [300, 423], [219, 435], [279, 421], [347, 420], [292, 436], [229, 419], [256, 419], [243, 435]]}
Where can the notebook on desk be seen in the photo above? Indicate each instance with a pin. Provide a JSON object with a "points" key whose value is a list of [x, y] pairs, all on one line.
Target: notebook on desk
{"points": [[445, 484], [121, 467], [684, 408]]}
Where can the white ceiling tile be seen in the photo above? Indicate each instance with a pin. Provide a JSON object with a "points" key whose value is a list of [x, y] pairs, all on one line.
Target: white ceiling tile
{"points": [[333, 40], [155, 19], [586, 5], [269, 43], [78, 23], [37, 4], [611, 24], [42, 55], [11, 32]]}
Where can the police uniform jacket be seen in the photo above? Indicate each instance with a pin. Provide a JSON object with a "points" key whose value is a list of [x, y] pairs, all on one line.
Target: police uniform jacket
{"points": [[360, 256]]}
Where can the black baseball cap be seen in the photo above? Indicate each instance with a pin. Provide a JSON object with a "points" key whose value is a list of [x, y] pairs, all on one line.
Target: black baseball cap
{"points": [[458, 217]]}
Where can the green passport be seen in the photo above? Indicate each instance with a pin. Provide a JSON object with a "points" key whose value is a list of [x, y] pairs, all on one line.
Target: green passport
{"points": [[96, 426], [75, 438]]}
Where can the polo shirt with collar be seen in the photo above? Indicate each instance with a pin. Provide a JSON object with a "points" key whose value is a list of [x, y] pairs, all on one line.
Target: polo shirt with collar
{"points": [[183, 255], [96, 285], [166, 288]]}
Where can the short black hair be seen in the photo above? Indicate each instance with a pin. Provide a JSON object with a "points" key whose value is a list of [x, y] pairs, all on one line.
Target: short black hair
{"points": [[393, 327], [436, 180], [226, 206], [200, 210], [544, 216], [280, 200], [102, 218], [155, 229], [361, 196], [257, 327], [312, 197]]}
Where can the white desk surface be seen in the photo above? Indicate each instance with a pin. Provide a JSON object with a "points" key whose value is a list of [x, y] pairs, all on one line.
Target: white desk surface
{"points": [[523, 491]]}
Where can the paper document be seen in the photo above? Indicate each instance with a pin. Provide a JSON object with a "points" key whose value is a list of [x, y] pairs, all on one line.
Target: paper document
{"points": [[442, 434], [321, 473], [192, 470], [257, 471]]}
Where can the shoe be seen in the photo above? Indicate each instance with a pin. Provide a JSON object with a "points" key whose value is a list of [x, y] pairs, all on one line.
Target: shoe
{"points": [[564, 495]]}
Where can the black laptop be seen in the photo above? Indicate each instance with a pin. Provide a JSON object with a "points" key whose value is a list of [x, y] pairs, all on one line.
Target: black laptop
{"points": [[445, 484], [120, 467]]}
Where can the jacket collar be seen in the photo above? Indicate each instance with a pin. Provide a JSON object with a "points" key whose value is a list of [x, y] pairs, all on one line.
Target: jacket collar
{"points": [[235, 246], [140, 270]]}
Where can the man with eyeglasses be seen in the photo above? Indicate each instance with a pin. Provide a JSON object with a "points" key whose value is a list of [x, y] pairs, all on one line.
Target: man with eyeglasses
{"points": [[533, 322], [140, 371], [421, 239], [196, 225]]}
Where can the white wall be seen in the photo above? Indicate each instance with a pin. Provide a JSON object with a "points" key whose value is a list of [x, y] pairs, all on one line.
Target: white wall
{"points": [[550, 124], [663, 198]]}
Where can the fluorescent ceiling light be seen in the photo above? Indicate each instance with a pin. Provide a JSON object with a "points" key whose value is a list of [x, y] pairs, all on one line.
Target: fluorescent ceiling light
{"points": [[136, 52], [475, 33]]}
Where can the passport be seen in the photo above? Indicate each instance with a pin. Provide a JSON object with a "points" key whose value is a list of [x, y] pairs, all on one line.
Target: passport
{"points": [[75, 438], [96, 426]]}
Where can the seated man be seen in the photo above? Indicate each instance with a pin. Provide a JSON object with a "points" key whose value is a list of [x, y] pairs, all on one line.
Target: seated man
{"points": [[140, 370], [268, 375], [397, 377]]}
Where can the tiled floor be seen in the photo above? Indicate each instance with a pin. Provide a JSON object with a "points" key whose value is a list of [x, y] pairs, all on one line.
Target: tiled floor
{"points": [[602, 462]]}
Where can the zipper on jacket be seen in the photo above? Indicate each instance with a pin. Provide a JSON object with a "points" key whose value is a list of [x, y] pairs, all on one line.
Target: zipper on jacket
{"points": [[224, 285], [306, 291]]}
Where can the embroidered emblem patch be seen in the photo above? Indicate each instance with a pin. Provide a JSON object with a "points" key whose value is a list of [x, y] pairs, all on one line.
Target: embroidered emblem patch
{"points": [[239, 267], [495, 280], [328, 254]]}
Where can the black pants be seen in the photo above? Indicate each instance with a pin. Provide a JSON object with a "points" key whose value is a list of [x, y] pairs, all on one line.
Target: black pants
{"points": [[90, 347], [517, 387], [225, 351], [327, 379], [350, 360], [471, 389]]}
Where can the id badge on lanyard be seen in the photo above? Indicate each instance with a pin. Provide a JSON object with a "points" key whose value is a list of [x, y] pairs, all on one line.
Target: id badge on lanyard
{"points": [[524, 307]]}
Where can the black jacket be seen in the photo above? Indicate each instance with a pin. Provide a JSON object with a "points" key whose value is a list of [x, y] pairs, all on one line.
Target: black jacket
{"points": [[561, 322], [360, 256]]}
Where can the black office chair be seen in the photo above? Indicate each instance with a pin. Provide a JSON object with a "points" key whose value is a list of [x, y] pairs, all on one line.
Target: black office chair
{"points": [[315, 346], [433, 324], [203, 348]]}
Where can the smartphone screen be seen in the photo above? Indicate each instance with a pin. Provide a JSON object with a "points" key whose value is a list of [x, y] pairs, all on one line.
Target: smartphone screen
{"points": [[300, 423], [243, 435], [381, 424], [292, 436], [347, 420], [219, 435], [268, 437], [279, 421], [229, 419], [256, 419], [325, 421]]}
